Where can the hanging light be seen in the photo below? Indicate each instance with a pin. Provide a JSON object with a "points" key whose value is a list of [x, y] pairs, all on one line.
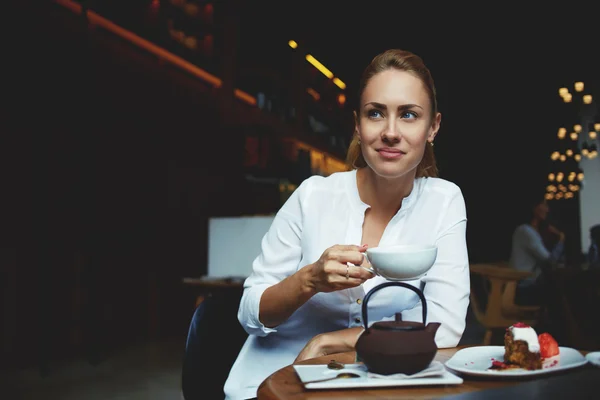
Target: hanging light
{"points": [[563, 91], [573, 135], [559, 177], [569, 152], [577, 157], [592, 135], [578, 86], [597, 126], [555, 156], [580, 177], [551, 176], [562, 132], [577, 128], [587, 99], [592, 151], [568, 97], [563, 158]]}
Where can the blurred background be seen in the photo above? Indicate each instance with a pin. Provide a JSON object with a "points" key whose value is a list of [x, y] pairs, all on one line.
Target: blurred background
{"points": [[128, 126]]}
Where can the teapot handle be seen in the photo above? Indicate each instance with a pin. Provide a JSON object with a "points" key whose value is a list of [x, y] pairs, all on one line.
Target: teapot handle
{"points": [[386, 284]]}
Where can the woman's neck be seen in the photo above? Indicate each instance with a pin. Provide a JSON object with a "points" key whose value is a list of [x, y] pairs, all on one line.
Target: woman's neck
{"points": [[383, 194]]}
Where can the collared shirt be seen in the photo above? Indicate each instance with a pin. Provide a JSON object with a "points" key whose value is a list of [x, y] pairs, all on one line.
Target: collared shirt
{"points": [[325, 211]]}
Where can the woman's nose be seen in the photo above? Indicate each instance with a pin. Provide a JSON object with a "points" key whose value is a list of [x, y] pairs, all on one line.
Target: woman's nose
{"points": [[391, 132]]}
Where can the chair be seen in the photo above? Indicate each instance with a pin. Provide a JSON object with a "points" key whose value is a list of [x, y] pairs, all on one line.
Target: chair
{"points": [[214, 340], [493, 305], [575, 293]]}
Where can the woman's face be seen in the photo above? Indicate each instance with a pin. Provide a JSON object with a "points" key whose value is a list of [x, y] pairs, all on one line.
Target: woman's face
{"points": [[394, 123]]}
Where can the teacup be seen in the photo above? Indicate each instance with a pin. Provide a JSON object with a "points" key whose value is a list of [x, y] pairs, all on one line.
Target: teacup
{"points": [[401, 262]]}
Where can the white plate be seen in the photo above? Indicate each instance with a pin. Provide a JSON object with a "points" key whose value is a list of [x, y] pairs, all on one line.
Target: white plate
{"points": [[594, 358], [314, 372], [477, 361]]}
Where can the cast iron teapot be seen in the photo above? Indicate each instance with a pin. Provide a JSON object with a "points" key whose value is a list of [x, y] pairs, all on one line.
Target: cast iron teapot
{"points": [[392, 347]]}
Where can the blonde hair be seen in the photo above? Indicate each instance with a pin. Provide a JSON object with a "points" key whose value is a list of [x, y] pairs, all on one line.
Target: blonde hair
{"points": [[404, 61]]}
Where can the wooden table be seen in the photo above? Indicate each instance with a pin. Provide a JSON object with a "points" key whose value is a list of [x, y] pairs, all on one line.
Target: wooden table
{"points": [[285, 384], [203, 287]]}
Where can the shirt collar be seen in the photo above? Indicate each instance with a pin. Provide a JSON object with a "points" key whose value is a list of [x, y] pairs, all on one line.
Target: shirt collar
{"points": [[361, 206]]}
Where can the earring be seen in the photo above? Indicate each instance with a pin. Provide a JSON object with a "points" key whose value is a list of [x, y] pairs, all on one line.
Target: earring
{"points": [[358, 141], [431, 143]]}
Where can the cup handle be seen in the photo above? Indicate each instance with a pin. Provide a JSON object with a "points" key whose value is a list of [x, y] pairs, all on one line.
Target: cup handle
{"points": [[368, 269], [371, 270]]}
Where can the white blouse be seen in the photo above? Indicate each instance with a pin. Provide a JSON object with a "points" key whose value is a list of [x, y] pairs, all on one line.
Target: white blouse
{"points": [[322, 212]]}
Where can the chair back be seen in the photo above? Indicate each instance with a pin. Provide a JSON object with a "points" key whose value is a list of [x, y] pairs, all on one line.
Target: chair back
{"points": [[214, 340], [493, 288]]}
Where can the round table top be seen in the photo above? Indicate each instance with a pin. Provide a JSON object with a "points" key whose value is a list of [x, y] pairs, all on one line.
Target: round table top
{"points": [[285, 384]]}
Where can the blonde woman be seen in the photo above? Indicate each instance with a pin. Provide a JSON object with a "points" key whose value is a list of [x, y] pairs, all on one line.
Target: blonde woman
{"points": [[303, 298]]}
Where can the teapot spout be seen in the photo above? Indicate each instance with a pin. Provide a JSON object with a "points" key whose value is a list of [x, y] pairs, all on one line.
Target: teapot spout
{"points": [[432, 328]]}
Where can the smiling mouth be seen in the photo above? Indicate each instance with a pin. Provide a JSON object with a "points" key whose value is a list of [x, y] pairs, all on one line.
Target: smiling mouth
{"points": [[390, 153]]}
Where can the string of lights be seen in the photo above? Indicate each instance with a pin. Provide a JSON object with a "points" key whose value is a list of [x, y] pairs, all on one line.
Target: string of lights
{"points": [[566, 176]]}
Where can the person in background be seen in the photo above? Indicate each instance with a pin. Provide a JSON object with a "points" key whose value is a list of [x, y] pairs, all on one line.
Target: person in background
{"points": [[528, 252], [303, 298], [593, 254]]}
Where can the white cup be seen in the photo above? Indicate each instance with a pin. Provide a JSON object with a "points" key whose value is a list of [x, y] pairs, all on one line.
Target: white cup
{"points": [[401, 262]]}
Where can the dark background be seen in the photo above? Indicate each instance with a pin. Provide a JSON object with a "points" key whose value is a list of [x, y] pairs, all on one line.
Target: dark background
{"points": [[111, 163]]}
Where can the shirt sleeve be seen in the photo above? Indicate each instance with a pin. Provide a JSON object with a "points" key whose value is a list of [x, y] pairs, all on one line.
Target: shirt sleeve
{"points": [[447, 283], [535, 246], [279, 257]]}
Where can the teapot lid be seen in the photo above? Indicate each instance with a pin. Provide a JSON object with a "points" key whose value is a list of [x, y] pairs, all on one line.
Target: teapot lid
{"points": [[398, 325]]}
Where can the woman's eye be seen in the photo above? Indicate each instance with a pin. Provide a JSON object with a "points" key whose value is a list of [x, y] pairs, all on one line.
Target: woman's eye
{"points": [[374, 114], [409, 114]]}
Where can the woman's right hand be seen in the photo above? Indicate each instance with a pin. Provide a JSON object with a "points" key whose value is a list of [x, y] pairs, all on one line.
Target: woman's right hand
{"points": [[332, 271]]}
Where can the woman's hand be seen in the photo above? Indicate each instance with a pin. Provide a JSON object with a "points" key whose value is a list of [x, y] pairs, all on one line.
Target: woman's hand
{"points": [[332, 271], [314, 348], [329, 343]]}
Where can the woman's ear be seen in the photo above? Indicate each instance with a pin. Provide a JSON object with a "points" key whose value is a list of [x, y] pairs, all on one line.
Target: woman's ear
{"points": [[435, 127]]}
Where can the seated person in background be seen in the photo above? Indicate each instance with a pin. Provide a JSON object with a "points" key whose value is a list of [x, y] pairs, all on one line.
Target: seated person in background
{"points": [[528, 252]]}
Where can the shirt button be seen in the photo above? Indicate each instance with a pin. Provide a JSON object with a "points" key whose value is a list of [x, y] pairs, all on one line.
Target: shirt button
{"points": [[357, 320], [358, 301]]}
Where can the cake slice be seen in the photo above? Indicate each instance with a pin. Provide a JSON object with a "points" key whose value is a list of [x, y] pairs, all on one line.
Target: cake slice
{"points": [[522, 347]]}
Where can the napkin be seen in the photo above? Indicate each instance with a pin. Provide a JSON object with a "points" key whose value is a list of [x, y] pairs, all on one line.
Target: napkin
{"points": [[436, 368]]}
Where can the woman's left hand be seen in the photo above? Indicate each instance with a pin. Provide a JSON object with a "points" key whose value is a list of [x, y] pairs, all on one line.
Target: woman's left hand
{"points": [[329, 343], [314, 348]]}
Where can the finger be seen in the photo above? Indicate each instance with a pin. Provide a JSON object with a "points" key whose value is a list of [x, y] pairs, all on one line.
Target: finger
{"points": [[346, 256], [360, 272], [350, 247]]}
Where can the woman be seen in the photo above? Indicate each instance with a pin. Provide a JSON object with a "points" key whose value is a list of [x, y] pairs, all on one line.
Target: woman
{"points": [[304, 296]]}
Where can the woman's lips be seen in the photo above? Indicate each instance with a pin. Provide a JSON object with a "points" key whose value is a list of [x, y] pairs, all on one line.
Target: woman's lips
{"points": [[390, 153]]}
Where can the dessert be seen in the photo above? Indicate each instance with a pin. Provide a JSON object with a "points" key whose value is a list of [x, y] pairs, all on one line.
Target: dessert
{"points": [[522, 347], [525, 349]]}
